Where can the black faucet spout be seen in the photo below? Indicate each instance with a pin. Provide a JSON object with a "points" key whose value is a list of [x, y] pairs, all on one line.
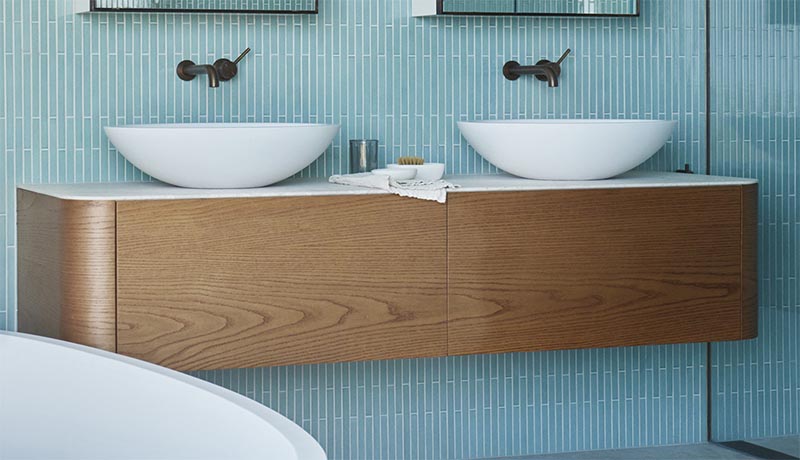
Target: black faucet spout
{"points": [[188, 71], [551, 73]]}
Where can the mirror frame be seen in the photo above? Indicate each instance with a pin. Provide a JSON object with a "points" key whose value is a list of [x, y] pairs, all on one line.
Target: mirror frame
{"points": [[440, 12], [93, 8]]}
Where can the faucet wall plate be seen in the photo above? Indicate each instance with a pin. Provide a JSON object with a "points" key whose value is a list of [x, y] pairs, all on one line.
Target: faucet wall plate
{"points": [[181, 71], [510, 70], [226, 69]]}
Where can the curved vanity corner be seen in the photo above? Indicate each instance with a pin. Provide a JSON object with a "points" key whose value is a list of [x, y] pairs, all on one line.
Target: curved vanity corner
{"points": [[749, 254], [67, 269], [310, 272]]}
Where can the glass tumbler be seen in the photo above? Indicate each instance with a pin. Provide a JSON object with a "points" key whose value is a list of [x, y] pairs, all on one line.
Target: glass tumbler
{"points": [[363, 155]]}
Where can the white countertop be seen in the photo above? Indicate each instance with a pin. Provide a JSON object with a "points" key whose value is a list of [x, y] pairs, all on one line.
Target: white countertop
{"points": [[129, 191]]}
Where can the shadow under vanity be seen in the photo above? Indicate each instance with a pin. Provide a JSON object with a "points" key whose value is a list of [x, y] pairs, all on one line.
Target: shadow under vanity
{"points": [[310, 272]]}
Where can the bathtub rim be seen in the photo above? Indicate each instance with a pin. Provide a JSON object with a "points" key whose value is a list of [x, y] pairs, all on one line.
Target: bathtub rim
{"points": [[306, 446]]}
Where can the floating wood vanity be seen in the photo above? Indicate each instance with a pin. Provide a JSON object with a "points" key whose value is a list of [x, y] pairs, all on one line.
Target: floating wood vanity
{"points": [[309, 272]]}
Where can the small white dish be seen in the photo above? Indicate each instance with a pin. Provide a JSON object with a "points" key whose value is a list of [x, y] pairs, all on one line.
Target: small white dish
{"points": [[397, 173], [427, 172]]}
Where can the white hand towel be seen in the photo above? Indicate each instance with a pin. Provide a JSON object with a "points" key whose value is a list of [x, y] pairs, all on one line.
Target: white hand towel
{"points": [[423, 190]]}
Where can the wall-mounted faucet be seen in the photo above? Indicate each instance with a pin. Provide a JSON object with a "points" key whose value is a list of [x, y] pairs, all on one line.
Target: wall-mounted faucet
{"points": [[544, 70], [222, 70]]}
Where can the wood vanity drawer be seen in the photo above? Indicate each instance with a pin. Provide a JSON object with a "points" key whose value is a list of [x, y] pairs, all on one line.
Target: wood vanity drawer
{"points": [[582, 269], [211, 284]]}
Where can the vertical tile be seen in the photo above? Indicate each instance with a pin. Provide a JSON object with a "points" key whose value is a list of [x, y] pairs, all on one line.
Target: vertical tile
{"points": [[407, 81], [755, 49]]}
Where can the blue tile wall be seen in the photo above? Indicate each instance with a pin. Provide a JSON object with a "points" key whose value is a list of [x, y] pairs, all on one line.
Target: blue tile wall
{"points": [[370, 66], [489, 405], [755, 120], [365, 64]]}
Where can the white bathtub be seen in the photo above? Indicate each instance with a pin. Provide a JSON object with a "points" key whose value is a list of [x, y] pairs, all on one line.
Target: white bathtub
{"points": [[65, 401]]}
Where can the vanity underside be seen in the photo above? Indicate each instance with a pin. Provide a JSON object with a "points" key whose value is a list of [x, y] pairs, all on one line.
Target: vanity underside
{"points": [[247, 282]]}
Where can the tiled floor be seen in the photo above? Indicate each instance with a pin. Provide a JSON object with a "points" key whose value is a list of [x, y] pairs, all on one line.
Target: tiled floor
{"points": [[789, 445]]}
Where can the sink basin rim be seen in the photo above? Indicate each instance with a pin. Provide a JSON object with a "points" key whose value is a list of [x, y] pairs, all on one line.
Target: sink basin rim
{"points": [[222, 155], [566, 121], [237, 125], [567, 149]]}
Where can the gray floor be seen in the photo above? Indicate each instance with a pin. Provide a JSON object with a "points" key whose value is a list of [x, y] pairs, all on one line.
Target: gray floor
{"points": [[692, 452], [789, 445]]}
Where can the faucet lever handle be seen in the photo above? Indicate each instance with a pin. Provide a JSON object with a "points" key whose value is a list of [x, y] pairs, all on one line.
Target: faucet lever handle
{"points": [[228, 69], [242, 56], [564, 56]]}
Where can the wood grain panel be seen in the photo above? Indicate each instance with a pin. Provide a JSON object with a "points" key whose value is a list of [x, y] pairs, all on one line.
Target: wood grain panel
{"points": [[750, 262], [66, 268], [210, 284], [600, 268]]}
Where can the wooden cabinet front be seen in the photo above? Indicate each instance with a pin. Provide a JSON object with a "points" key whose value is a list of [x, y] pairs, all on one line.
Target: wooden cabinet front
{"points": [[211, 284], [237, 283], [599, 268]]}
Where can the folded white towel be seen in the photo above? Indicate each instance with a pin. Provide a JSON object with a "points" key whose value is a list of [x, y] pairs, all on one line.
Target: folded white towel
{"points": [[423, 190]]}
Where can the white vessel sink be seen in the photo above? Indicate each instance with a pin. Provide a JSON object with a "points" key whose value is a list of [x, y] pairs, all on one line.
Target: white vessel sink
{"points": [[228, 155], [567, 149]]}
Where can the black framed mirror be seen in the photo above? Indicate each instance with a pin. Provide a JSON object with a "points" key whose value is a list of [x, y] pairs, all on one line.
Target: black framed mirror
{"points": [[602, 8], [200, 6]]}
